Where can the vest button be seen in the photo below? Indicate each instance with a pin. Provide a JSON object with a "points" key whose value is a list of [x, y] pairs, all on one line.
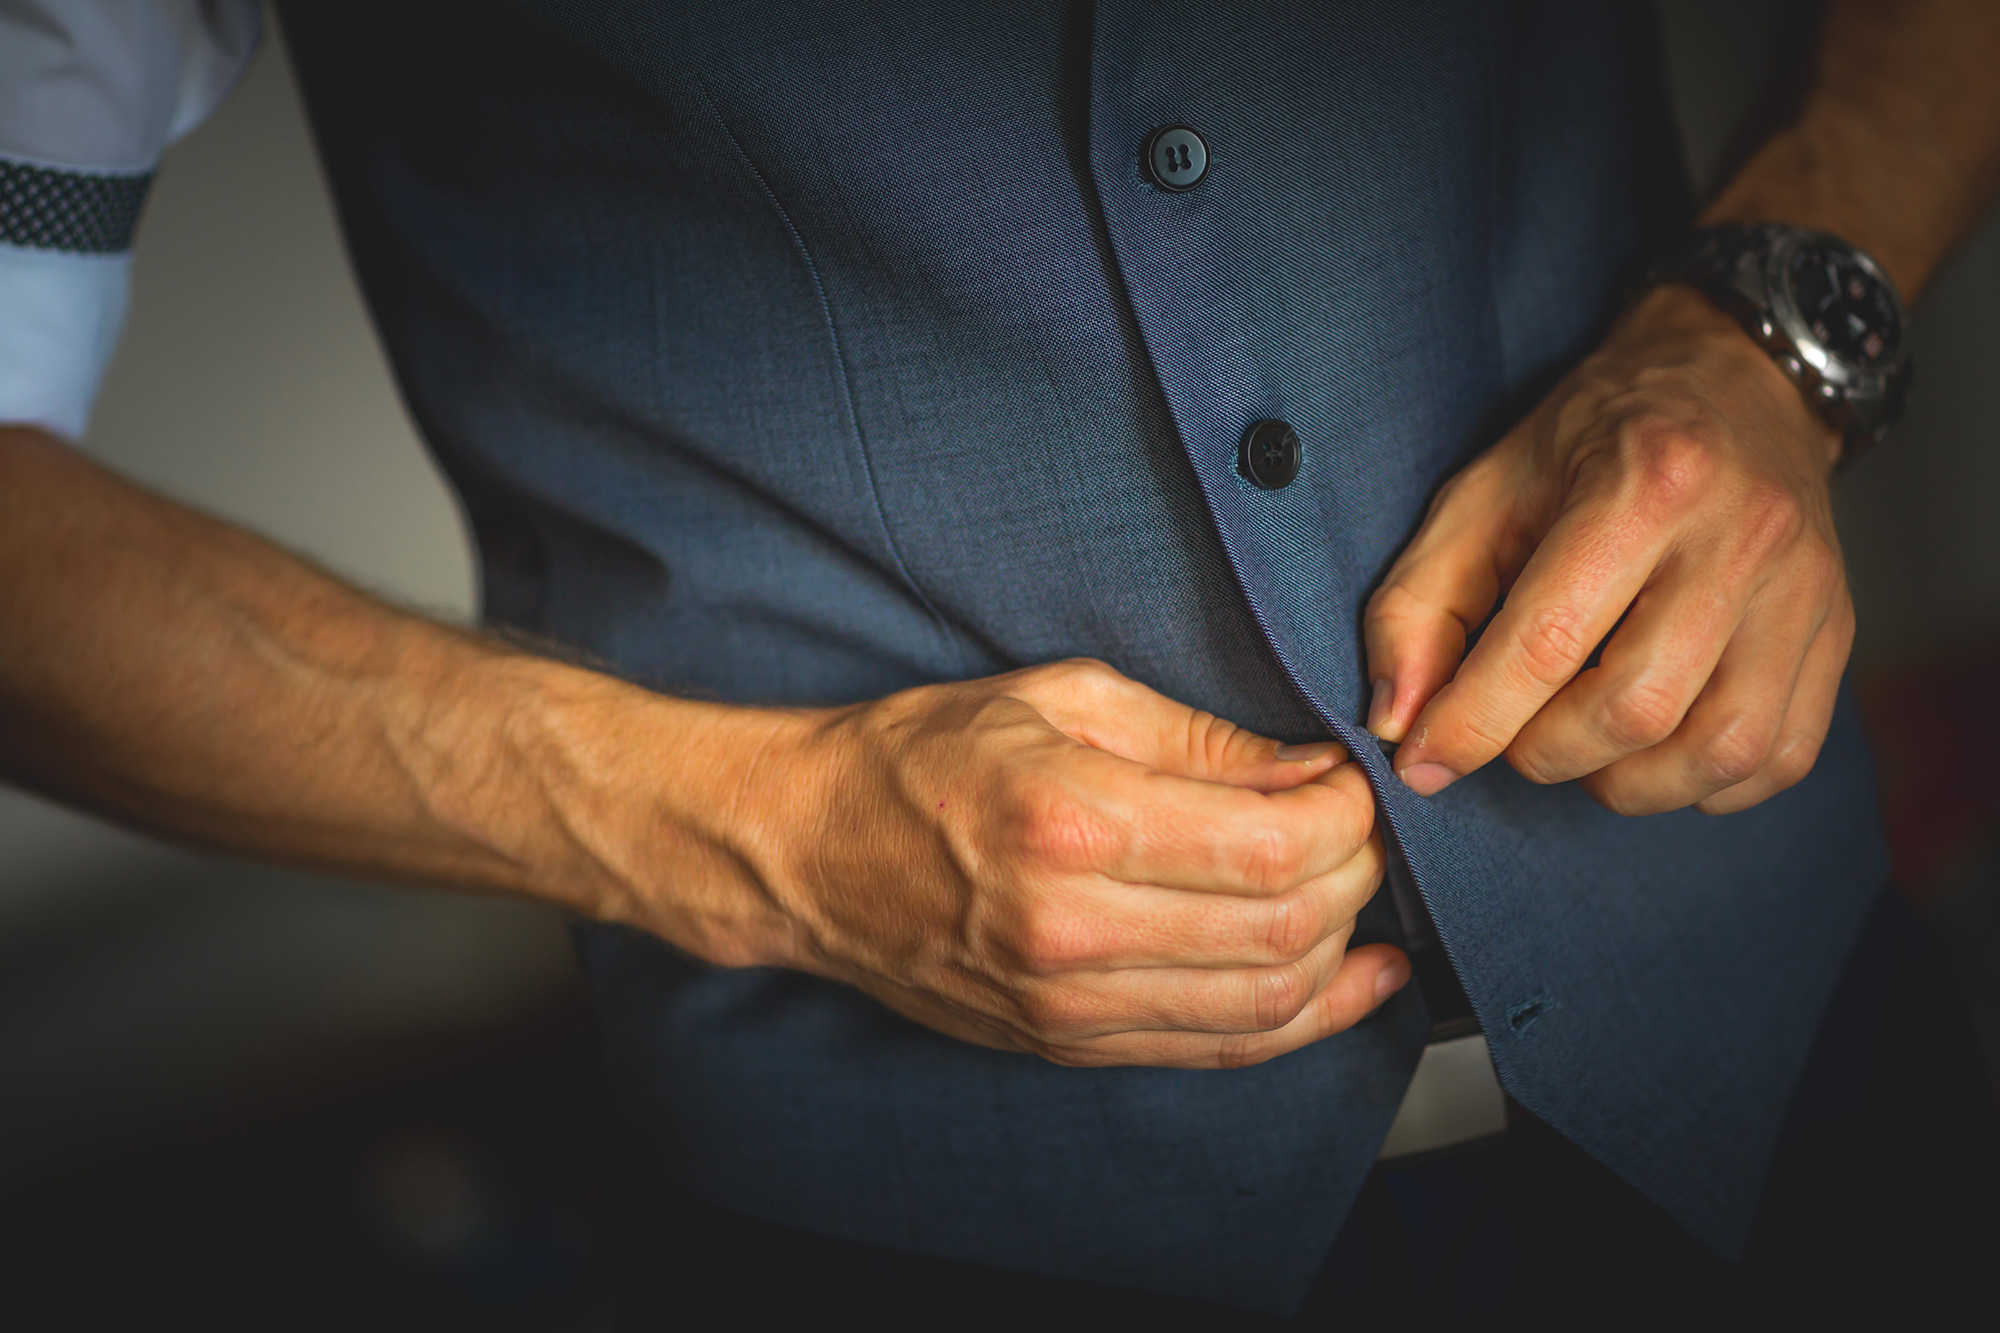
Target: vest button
{"points": [[1269, 455], [1175, 158]]}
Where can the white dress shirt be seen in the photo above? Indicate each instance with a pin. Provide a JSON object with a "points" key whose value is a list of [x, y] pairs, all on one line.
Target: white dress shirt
{"points": [[91, 91]]}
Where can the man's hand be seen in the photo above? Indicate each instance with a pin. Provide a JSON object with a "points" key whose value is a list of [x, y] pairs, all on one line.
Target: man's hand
{"points": [[1057, 860], [1671, 493], [1668, 501], [1062, 861]]}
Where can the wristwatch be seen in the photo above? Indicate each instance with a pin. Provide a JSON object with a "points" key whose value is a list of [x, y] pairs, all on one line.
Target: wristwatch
{"points": [[1825, 311]]}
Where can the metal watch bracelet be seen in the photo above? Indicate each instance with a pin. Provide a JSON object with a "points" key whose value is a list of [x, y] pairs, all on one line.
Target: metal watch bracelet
{"points": [[1746, 272]]}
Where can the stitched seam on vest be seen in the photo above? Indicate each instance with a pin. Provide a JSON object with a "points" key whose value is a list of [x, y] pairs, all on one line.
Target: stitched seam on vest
{"points": [[846, 380]]}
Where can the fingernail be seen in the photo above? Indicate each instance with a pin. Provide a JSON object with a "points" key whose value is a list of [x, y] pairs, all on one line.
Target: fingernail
{"points": [[1427, 779], [1306, 751], [1391, 979], [1384, 694]]}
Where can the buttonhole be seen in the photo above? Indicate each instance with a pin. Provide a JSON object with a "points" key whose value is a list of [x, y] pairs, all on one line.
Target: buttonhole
{"points": [[1529, 1011]]}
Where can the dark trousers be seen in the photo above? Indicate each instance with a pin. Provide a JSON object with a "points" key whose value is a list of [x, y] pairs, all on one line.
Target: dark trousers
{"points": [[1882, 1201]]}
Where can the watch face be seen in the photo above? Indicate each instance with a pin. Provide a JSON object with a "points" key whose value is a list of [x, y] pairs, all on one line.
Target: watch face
{"points": [[1849, 310]]}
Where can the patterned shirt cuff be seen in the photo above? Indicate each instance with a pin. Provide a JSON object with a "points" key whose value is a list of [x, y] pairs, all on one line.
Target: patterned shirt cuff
{"points": [[82, 212]]}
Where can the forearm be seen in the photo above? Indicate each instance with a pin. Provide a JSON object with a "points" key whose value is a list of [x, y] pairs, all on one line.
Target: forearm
{"points": [[1896, 147], [188, 678]]}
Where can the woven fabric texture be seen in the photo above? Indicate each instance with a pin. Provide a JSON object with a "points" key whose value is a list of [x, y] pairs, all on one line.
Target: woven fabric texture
{"points": [[786, 351]]}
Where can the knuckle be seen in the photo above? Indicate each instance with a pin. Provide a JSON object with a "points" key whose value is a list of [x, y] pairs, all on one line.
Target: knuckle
{"points": [[1615, 798], [1083, 678], [1822, 576], [1281, 995], [1091, 670], [1396, 615], [1292, 927], [1792, 762], [1554, 641], [1733, 752], [1239, 1051], [1051, 827], [1773, 518], [1098, 679], [1052, 1013], [1535, 764], [1097, 673], [1672, 466], [1395, 602], [1049, 939], [1643, 712], [1077, 1053], [1622, 796], [1277, 859], [1209, 738], [1487, 732], [999, 712]]}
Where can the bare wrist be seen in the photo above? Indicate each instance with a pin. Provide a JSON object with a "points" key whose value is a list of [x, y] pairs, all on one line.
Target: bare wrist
{"points": [[1906, 210], [1674, 313], [649, 811]]}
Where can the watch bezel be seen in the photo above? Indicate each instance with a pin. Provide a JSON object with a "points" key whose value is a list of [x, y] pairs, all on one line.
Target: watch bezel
{"points": [[1851, 378]]}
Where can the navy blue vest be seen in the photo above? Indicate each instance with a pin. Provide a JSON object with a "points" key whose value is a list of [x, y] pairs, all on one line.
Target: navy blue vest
{"points": [[805, 351]]}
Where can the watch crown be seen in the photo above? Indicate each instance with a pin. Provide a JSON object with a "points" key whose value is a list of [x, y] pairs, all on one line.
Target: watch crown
{"points": [[1791, 365], [1829, 391]]}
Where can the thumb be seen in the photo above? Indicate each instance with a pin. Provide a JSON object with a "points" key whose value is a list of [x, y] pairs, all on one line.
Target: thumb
{"points": [[1444, 583], [1102, 708]]}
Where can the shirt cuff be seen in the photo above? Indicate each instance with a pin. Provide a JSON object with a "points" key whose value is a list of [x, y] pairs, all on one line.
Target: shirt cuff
{"points": [[63, 313]]}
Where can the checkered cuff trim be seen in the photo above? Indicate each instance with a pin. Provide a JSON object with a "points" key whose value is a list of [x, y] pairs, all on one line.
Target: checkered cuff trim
{"points": [[82, 212]]}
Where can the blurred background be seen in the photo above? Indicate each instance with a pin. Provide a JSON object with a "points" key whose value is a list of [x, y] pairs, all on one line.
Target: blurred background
{"points": [[386, 1102]]}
